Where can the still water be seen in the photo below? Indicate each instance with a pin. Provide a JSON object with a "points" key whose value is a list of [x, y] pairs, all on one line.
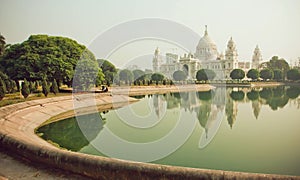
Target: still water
{"points": [[237, 129]]}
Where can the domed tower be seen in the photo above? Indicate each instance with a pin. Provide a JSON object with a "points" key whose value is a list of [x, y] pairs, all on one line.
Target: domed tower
{"points": [[231, 54], [206, 48], [157, 60], [256, 58]]}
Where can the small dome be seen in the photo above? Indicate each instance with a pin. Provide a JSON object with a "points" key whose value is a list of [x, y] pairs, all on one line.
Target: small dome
{"points": [[206, 48]]}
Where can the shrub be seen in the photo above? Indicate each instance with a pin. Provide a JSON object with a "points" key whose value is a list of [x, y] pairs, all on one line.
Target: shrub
{"points": [[25, 89], [54, 87], [45, 87]]}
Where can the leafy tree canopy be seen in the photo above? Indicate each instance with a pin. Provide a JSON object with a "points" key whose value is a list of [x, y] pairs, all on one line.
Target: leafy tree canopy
{"points": [[109, 70], [43, 56], [278, 75], [137, 74], [205, 74], [237, 74], [126, 75], [157, 77], [253, 74], [179, 75], [293, 74], [278, 63], [266, 74]]}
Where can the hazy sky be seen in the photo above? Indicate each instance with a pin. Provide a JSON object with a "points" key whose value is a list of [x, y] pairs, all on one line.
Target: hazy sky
{"points": [[272, 24]]}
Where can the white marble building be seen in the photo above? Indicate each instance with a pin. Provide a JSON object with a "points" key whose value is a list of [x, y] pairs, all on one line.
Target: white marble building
{"points": [[205, 57]]}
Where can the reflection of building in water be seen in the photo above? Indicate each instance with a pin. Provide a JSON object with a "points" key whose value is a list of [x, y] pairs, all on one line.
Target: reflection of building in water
{"points": [[256, 106], [158, 103], [230, 109]]}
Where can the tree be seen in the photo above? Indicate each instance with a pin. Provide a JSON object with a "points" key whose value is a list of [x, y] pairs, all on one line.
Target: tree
{"points": [[157, 77], [266, 74], [137, 74], [109, 70], [43, 56], [179, 75], [278, 75], [253, 95], [126, 75], [293, 74], [2, 44], [45, 87], [205, 74], [25, 89], [276, 63], [32, 87], [87, 75], [54, 87], [237, 74], [253, 74], [2, 89]]}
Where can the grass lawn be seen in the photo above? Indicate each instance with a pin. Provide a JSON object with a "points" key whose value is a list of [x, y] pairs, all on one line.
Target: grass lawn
{"points": [[17, 98]]}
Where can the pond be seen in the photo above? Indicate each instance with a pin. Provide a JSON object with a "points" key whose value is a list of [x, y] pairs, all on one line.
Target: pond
{"points": [[236, 129]]}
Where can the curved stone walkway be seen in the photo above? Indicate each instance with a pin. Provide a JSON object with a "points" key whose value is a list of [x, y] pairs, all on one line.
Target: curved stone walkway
{"points": [[17, 136]]}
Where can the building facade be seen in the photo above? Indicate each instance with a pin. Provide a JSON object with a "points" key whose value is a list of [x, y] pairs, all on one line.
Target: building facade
{"points": [[205, 57]]}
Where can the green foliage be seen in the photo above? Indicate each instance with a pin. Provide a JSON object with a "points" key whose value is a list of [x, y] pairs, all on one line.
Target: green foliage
{"points": [[54, 87], [2, 89], [25, 89], [253, 74], [293, 92], [266, 74], [276, 63], [237, 95], [43, 56], [32, 87], [205, 74], [109, 70], [253, 95], [278, 75], [237, 74], [2, 44], [87, 75], [45, 88], [13, 86], [2, 83], [179, 75], [157, 77], [126, 75], [137, 74], [293, 74], [205, 95]]}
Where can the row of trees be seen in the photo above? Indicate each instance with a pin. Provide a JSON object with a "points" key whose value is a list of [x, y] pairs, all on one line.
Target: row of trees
{"points": [[266, 74]]}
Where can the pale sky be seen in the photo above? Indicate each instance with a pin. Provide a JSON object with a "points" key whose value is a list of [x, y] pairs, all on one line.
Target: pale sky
{"points": [[272, 24]]}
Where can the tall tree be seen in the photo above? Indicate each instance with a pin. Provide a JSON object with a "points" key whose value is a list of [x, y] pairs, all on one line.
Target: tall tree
{"points": [[2, 89], [278, 63], [266, 74], [54, 87], [25, 89], [278, 75], [45, 87], [109, 70]]}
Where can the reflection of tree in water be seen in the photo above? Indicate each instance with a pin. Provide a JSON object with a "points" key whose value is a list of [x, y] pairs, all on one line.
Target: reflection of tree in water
{"points": [[73, 134], [275, 97], [237, 95], [293, 92], [231, 111], [253, 95]]}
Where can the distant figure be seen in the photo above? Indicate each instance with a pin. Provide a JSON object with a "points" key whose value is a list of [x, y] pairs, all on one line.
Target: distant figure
{"points": [[42, 105], [104, 89]]}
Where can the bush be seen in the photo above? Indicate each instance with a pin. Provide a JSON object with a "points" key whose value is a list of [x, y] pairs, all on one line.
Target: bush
{"points": [[25, 89], [2, 92], [45, 87], [54, 87]]}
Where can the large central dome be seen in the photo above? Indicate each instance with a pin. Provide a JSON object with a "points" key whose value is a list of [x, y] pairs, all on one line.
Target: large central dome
{"points": [[206, 48]]}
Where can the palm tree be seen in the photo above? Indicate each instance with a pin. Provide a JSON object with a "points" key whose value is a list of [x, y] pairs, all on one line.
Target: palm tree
{"points": [[2, 44]]}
